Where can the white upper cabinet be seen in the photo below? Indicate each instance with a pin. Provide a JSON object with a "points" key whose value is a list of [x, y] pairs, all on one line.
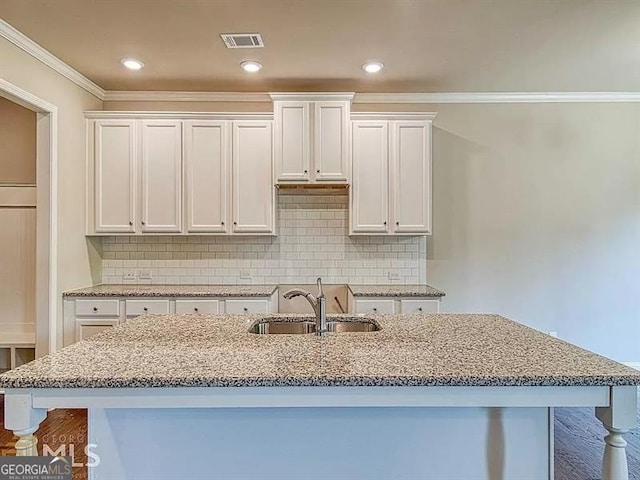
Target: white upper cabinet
{"points": [[114, 170], [161, 176], [311, 137], [252, 173], [411, 176], [208, 175], [292, 143], [391, 191], [370, 185]]}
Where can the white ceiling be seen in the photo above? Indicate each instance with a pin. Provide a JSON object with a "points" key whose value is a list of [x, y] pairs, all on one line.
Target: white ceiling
{"points": [[426, 45]]}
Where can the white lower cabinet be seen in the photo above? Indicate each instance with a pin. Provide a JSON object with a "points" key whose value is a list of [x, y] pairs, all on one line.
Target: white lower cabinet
{"points": [[247, 306], [86, 316], [135, 308], [197, 306], [387, 305]]}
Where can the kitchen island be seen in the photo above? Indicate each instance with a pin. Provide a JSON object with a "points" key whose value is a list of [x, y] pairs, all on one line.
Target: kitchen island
{"points": [[442, 396]]}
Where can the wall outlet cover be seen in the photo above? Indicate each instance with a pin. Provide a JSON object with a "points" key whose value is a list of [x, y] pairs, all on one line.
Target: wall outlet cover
{"points": [[394, 275], [144, 274], [245, 274]]}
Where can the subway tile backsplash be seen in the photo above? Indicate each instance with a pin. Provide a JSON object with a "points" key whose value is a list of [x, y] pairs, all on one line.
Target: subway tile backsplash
{"points": [[312, 241]]}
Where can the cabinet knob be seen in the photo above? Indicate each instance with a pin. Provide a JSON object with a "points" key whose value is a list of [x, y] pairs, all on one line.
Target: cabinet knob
{"points": [[142, 222], [245, 309], [384, 223], [195, 309], [95, 309], [318, 171], [419, 309], [375, 309], [130, 223], [145, 309], [397, 223], [222, 223], [306, 171], [235, 223]]}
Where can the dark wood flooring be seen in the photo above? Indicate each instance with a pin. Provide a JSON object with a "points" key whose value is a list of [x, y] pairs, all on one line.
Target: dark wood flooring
{"points": [[578, 442]]}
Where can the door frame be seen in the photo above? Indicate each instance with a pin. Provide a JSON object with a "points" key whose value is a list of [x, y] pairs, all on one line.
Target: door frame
{"points": [[47, 331]]}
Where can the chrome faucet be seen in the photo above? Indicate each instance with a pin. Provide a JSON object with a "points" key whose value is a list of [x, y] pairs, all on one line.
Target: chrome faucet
{"points": [[318, 303]]}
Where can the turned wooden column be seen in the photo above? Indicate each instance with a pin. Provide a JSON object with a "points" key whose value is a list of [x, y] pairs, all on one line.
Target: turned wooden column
{"points": [[618, 418], [23, 420]]}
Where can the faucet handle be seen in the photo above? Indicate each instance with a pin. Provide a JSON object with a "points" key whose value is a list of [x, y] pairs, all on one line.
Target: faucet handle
{"points": [[320, 292]]}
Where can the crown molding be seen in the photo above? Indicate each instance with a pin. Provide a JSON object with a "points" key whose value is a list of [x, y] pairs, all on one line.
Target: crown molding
{"points": [[102, 114], [498, 97], [167, 96], [32, 48], [311, 96]]}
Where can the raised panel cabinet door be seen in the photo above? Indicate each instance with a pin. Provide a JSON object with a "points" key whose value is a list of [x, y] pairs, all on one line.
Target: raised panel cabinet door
{"points": [[161, 176], [115, 176], [370, 182], [331, 141], [252, 172], [411, 176], [207, 158], [292, 143]]}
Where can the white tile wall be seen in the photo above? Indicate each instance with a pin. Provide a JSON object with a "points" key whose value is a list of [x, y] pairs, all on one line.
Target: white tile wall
{"points": [[312, 241]]}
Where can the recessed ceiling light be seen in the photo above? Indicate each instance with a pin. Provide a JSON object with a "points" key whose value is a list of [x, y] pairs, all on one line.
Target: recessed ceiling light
{"points": [[132, 63], [251, 66], [372, 67]]}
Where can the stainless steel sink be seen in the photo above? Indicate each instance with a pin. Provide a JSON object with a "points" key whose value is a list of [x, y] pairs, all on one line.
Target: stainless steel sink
{"points": [[302, 325]]}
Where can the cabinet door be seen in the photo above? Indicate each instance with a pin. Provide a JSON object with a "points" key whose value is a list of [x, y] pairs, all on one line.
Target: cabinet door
{"points": [[161, 176], [252, 172], [331, 141], [292, 143], [411, 176], [369, 193], [207, 168], [115, 176]]}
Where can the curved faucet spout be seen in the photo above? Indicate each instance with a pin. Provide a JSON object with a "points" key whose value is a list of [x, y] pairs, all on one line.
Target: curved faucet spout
{"points": [[317, 303]]}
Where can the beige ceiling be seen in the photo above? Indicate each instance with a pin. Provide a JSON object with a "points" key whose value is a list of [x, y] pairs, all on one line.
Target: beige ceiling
{"points": [[426, 45]]}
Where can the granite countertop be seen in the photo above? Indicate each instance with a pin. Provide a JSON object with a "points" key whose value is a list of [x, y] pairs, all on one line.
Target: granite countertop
{"points": [[409, 350], [173, 291], [395, 291]]}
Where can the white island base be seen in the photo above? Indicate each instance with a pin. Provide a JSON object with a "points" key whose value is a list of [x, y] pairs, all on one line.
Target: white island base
{"points": [[475, 433]]}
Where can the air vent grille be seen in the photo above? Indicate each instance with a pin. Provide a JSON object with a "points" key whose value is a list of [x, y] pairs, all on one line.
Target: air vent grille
{"points": [[242, 40]]}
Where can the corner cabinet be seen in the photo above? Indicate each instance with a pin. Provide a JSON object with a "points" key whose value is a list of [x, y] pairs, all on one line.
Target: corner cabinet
{"points": [[311, 137], [179, 174], [391, 186]]}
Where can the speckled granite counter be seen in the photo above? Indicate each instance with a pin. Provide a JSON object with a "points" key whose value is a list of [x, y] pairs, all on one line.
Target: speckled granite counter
{"points": [[395, 291], [409, 350], [173, 291]]}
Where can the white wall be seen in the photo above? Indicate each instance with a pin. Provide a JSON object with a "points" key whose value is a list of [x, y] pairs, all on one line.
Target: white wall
{"points": [[537, 217], [78, 259]]}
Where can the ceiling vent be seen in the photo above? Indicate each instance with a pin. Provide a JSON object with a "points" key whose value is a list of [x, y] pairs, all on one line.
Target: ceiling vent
{"points": [[242, 40]]}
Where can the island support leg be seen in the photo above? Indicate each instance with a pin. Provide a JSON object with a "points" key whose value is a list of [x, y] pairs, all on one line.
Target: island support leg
{"points": [[21, 418], [618, 418]]}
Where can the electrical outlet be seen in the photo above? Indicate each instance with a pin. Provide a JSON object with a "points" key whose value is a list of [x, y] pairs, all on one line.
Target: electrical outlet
{"points": [[245, 274], [144, 274], [394, 275], [129, 275]]}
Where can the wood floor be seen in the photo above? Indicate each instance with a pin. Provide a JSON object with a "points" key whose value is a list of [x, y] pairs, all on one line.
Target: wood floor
{"points": [[578, 442]]}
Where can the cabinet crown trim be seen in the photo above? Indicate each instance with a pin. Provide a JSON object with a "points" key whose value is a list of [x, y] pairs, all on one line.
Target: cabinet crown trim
{"points": [[312, 97], [100, 114], [425, 116]]}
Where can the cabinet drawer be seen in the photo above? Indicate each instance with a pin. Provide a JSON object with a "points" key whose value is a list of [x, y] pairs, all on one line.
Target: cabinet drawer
{"points": [[247, 306], [87, 328], [141, 307], [375, 306], [420, 306], [97, 308], [197, 306]]}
